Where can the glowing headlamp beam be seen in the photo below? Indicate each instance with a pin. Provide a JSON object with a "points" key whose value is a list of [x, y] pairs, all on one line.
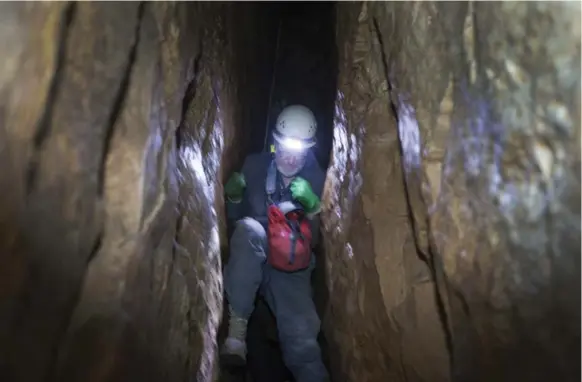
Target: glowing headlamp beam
{"points": [[293, 144]]}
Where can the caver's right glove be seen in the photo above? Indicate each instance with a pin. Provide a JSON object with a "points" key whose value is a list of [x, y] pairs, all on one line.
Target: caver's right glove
{"points": [[235, 187], [302, 192]]}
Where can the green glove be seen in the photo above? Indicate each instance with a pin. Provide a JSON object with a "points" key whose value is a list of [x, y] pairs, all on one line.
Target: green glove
{"points": [[235, 187], [302, 192]]}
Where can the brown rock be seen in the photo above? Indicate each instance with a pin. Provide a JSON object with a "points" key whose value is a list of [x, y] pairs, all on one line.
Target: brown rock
{"points": [[486, 186], [116, 118], [382, 312]]}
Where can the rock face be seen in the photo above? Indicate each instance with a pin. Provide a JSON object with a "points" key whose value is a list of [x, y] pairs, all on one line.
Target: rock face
{"points": [[117, 120], [453, 198]]}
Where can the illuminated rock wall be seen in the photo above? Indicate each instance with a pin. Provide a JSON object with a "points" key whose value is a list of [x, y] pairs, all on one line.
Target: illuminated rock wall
{"points": [[117, 123], [455, 169]]}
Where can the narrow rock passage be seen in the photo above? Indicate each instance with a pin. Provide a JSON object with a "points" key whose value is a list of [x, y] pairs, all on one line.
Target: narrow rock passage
{"points": [[304, 72], [451, 220]]}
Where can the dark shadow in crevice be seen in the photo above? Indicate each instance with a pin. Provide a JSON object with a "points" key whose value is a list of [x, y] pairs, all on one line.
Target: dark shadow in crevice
{"points": [[44, 125], [251, 70], [321, 298], [306, 71]]}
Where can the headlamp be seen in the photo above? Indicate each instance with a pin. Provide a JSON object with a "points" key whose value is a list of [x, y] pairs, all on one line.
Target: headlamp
{"points": [[292, 144]]}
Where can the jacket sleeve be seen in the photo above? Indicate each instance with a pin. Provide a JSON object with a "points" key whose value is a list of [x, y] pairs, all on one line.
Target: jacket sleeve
{"points": [[237, 211]]}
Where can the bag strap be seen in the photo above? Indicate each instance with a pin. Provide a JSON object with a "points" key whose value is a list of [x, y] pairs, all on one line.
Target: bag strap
{"points": [[271, 182], [271, 188]]}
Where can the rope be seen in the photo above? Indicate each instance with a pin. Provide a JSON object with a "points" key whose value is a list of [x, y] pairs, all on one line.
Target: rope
{"points": [[272, 86]]}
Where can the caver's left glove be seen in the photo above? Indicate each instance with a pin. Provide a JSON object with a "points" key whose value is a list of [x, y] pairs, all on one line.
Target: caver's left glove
{"points": [[235, 187], [302, 192]]}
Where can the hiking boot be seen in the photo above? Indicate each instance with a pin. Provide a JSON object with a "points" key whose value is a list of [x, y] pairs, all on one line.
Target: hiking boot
{"points": [[234, 348]]}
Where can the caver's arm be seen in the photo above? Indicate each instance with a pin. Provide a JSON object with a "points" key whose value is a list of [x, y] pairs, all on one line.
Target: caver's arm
{"points": [[238, 209]]}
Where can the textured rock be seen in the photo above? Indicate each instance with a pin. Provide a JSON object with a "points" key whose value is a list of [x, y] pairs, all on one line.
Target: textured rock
{"points": [[116, 119], [382, 315], [457, 141]]}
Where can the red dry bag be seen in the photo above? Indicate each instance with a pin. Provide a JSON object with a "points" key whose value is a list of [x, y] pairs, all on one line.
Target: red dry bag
{"points": [[289, 239], [289, 231]]}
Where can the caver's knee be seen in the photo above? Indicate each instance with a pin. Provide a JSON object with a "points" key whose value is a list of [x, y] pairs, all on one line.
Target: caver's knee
{"points": [[248, 231], [298, 338], [251, 226], [300, 350], [302, 356]]}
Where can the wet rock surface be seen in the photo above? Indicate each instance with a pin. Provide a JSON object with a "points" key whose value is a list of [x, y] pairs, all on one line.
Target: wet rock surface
{"points": [[455, 171], [118, 121]]}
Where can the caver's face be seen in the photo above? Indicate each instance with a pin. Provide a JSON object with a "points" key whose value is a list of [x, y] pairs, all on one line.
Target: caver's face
{"points": [[289, 159]]}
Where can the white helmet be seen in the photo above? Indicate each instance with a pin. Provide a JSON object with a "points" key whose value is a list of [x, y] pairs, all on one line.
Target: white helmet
{"points": [[296, 123]]}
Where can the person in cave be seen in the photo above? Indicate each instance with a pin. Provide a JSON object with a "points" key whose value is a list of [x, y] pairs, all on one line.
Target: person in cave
{"points": [[275, 201]]}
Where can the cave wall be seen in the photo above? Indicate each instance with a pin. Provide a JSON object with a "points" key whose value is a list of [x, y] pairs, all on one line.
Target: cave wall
{"points": [[118, 123], [456, 170]]}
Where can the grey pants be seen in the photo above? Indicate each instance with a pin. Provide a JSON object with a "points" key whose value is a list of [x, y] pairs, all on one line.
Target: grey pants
{"points": [[288, 295]]}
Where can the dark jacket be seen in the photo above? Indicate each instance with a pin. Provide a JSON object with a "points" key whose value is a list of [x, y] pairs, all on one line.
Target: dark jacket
{"points": [[254, 203]]}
